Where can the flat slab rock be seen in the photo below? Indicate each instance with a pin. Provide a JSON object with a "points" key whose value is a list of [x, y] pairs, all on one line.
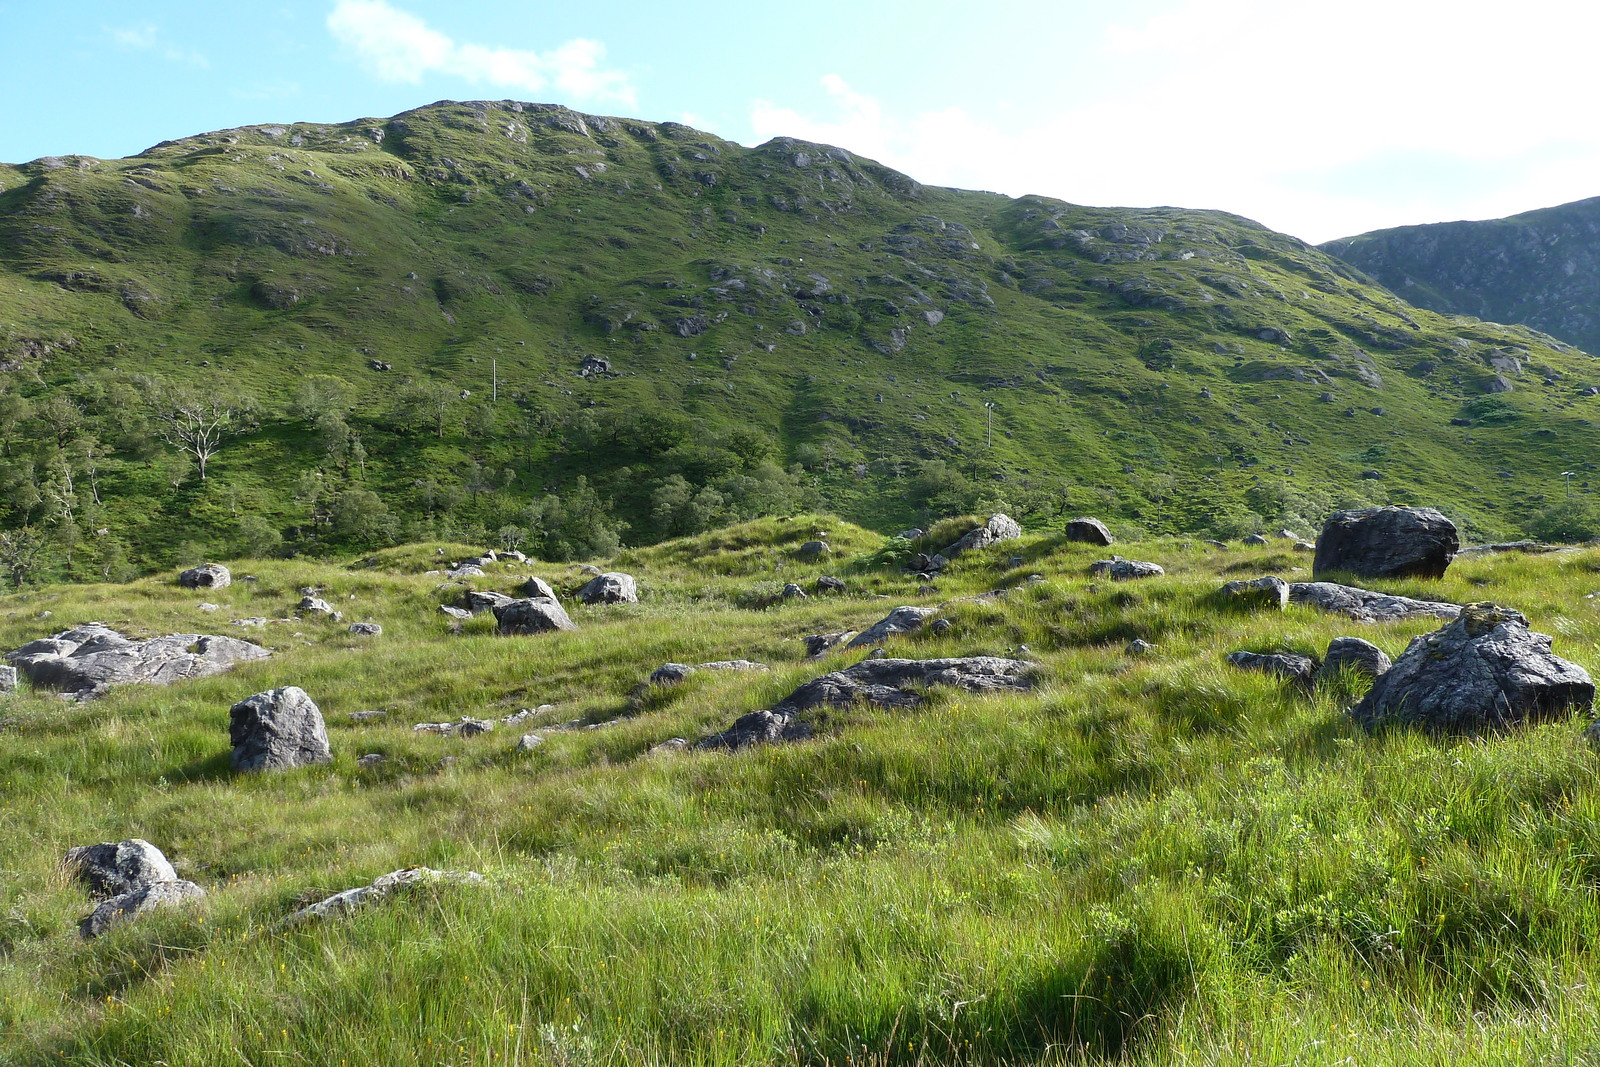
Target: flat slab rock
{"points": [[672, 673], [885, 683], [1120, 570], [1485, 671], [1364, 605], [379, 889], [86, 660], [1289, 666]]}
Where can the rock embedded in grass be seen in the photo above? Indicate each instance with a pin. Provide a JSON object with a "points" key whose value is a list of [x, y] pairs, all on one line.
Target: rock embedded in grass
{"points": [[1267, 593], [999, 528], [532, 615], [135, 902], [206, 576], [1088, 531], [1255, 540], [818, 645], [478, 601], [829, 584], [366, 629], [311, 605], [1290, 666], [612, 587], [793, 592], [1387, 542], [813, 550], [1352, 655], [1365, 605], [902, 620], [1120, 570], [114, 867], [277, 730], [86, 660], [1485, 671], [380, 889]]}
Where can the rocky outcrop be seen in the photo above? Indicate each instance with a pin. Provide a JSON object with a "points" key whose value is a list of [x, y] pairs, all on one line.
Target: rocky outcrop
{"points": [[277, 730], [998, 528], [206, 576], [1485, 671], [532, 615], [1386, 542], [381, 888], [673, 673], [758, 728], [86, 660], [1365, 605], [1089, 532], [1120, 570], [902, 620], [613, 587]]}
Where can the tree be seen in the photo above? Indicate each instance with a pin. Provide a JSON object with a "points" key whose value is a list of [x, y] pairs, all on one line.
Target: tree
{"points": [[21, 552], [199, 423]]}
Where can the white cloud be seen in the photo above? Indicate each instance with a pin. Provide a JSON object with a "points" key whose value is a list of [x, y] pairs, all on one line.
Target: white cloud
{"points": [[148, 38], [397, 46], [1285, 113]]}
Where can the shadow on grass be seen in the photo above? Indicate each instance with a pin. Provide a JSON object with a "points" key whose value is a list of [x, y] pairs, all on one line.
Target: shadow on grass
{"points": [[218, 768]]}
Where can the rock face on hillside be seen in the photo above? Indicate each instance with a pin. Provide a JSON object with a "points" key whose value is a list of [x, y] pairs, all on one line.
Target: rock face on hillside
{"points": [[532, 615], [86, 660], [1485, 671], [1365, 605], [277, 730], [1387, 542]]}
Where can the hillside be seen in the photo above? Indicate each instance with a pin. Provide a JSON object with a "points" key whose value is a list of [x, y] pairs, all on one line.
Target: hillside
{"points": [[513, 322], [1143, 859], [1540, 268]]}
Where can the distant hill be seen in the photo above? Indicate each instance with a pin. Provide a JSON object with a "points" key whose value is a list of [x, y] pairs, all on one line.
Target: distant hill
{"points": [[502, 320], [1540, 268]]}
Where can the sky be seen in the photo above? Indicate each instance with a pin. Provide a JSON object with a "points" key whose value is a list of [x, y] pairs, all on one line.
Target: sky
{"points": [[1316, 118]]}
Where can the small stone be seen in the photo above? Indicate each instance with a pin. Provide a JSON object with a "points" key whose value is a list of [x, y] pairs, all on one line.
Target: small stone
{"points": [[941, 626], [1139, 647], [529, 742], [371, 759], [366, 629]]}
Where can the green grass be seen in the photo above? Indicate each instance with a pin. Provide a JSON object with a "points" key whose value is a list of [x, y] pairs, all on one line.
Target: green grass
{"points": [[1153, 860]]}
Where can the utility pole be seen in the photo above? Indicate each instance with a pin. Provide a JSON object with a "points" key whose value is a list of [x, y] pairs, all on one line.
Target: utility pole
{"points": [[989, 404], [494, 379], [1568, 476]]}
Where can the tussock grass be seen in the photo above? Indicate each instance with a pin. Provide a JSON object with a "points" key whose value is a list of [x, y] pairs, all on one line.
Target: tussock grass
{"points": [[1146, 860]]}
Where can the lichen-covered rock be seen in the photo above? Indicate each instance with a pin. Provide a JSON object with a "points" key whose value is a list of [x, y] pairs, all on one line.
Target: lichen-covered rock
{"points": [[381, 888], [1347, 655], [901, 620], [1089, 532], [86, 660], [277, 730], [115, 867], [147, 897], [532, 615], [1485, 671], [998, 528], [1269, 593], [206, 576], [613, 587], [1386, 542], [1364, 605], [1287, 665], [1121, 570]]}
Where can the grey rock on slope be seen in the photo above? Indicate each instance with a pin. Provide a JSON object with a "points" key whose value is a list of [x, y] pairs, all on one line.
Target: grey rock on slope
{"points": [[85, 660], [277, 730], [1386, 542]]}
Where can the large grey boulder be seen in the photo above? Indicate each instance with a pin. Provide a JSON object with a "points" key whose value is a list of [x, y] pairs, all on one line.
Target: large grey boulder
{"points": [[613, 587], [1365, 605], [277, 730], [1386, 542], [535, 588], [1121, 570], [1270, 593], [532, 615], [902, 620], [813, 550], [1287, 665], [206, 576], [1352, 655], [381, 888], [998, 528], [1485, 671], [86, 660], [147, 897], [1089, 532], [887, 683], [114, 867], [479, 601]]}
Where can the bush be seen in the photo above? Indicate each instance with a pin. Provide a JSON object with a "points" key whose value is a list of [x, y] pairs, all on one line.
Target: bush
{"points": [[1574, 519]]}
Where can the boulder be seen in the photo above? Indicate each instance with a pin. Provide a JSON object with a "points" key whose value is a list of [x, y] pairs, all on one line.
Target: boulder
{"points": [[1139, 647], [381, 888], [1269, 593], [1386, 542], [829, 584], [757, 728], [813, 550], [206, 576], [310, 605], [1485, 671], [793, 592], [1088, 531], [1287, 665], [538, 587], [998, 528], [1255, 539], [477, 602], [1352, 655], [466, 570], [613, 587], [670, 673], [8, 679], [1118, 569], [137, 901], [532, 615], [901, 620], [1365, 605], [277, 730], [819, 644], [366, 629], [115, 867], [909, 535], [86, 660]]}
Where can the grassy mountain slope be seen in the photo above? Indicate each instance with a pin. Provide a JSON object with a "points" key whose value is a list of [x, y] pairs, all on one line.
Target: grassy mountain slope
{"points": [[785, 325], [1147, 860], [1539, 268]]}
